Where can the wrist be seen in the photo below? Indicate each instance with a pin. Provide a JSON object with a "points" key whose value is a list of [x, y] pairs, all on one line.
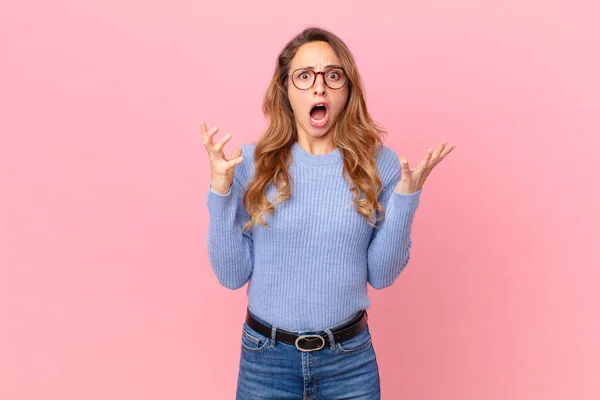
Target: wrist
{"points": [[220, 186], [403, 188]]}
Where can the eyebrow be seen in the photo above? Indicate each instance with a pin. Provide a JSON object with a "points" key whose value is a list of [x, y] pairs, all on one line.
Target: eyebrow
{"points": [[326, 67]]}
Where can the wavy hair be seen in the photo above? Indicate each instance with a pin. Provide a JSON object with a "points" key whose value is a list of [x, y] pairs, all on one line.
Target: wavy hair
{"points": [[355, 133]]}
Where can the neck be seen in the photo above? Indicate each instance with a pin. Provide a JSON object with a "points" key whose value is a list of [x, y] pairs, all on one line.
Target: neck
{"points": [[316, 146]]}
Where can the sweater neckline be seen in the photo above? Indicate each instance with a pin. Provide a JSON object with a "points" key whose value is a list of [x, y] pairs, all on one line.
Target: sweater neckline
{"points": [[308, 159]]}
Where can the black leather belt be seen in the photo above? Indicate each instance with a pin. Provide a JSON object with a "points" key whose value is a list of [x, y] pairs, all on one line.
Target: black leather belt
{"points": [[316, 341]]}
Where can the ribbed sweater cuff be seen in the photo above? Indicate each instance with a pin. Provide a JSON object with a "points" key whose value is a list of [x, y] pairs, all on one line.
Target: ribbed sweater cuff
{"points": [[406, 201], [219, 202]]}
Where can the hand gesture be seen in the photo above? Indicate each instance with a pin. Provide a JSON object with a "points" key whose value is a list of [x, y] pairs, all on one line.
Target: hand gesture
{"points": [[221, 168], [413, 178]]}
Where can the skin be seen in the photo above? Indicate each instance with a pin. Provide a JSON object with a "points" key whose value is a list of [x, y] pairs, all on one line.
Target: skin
{"points": [[412, 179], [319, 55], [221, 168], [312, 139]]}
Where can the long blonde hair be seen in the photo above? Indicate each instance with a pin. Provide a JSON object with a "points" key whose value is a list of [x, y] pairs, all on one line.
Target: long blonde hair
{"points": [[355, 133]]}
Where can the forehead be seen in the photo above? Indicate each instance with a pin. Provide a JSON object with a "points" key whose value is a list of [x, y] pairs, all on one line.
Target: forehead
{"points": [[314, 54]]}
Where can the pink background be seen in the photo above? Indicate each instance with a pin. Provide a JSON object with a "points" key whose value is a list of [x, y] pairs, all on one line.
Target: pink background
{"points": [[105, 287]]}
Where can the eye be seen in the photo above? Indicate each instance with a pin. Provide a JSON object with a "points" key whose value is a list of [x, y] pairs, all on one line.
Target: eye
{"points": [[303, 75], [334, 75]]}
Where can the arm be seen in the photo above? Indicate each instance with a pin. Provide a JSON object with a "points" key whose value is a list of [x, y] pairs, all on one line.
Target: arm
{"points": [[389, 248], [229, 248]]}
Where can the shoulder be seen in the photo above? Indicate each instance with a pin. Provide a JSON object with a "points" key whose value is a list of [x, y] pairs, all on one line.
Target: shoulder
{"points": [[387, 156], [389, 165], [248, 149]]}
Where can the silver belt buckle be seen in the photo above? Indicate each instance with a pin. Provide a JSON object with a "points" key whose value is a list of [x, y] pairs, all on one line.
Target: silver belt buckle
{"points": [[310, 336]]}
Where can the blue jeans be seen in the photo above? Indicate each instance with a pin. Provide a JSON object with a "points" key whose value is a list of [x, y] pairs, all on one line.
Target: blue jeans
{"points": [[276, 370]]}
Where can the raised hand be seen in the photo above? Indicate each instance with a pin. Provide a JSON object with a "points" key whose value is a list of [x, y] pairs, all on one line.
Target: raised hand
{"points": [[221, 168], [412, 179]]}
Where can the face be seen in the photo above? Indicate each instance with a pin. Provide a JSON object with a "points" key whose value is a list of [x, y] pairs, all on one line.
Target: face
{"points": [[317, 121]]}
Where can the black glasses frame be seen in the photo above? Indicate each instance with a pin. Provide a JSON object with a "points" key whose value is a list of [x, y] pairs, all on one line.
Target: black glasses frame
{"points": [[291, 75]]}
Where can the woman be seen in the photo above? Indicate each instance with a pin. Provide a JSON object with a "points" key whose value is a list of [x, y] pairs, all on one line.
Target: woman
{"points": [[299, 215]]}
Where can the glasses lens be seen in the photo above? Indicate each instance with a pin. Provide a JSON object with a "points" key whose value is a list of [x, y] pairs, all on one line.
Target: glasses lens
{"points": [[303, 78], [335, 78]]}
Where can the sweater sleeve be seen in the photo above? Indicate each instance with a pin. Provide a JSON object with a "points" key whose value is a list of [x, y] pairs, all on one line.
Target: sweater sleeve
{"points": [[229, 248], [389, 249]]}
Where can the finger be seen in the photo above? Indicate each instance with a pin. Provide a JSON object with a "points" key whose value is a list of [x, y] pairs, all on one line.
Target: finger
{"points": [[217, 147], [448, 150], [233, 162], [208, 139], [425, 161], [438, 151], [443, 154], [236, 153], [434, 157], [204, 133], [406, 171]]}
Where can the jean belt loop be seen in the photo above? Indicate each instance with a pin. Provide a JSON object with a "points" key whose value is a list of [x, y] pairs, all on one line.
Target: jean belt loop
{"points": [[331, 339], [273, 336]]}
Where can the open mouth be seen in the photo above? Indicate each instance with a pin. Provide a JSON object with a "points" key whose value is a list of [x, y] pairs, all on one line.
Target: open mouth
{"points": [[319, 115]]}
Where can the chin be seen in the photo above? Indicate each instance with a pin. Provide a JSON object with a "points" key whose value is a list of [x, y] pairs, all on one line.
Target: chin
{"points": [[318, 132]]}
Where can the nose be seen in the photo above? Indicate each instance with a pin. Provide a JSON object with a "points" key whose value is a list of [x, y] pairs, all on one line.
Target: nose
{"points": [[319, 85]]}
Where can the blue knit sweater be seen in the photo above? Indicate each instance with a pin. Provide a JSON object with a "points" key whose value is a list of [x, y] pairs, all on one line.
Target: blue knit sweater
{"points": [[308, 270]]}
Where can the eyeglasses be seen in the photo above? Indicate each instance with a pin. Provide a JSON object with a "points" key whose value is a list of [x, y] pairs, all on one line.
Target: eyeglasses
{"points": [[303, 78]]}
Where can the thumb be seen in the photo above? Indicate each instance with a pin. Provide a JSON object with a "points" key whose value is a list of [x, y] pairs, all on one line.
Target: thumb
{"points": [[236, 153]]}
